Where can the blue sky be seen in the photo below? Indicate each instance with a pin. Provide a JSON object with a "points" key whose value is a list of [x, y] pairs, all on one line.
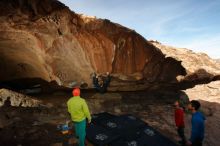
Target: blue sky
{"points": [[192, 24]]}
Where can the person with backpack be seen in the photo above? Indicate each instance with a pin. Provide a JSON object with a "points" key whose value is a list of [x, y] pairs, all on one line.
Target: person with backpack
{"points": [[79, 112]]}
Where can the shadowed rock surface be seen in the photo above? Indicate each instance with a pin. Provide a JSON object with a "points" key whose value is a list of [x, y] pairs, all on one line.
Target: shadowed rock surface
{"points": [[16, 99], [44, 39]]}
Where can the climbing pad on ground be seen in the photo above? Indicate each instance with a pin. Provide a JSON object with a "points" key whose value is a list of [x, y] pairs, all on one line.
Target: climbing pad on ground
{"points": [[125, 130]]}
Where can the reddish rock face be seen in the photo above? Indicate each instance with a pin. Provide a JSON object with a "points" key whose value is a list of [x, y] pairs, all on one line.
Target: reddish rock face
{"points": [[44, 39]]}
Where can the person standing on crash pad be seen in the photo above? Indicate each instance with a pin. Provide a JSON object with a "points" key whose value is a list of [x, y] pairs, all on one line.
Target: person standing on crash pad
{"points": [[79, 111]]}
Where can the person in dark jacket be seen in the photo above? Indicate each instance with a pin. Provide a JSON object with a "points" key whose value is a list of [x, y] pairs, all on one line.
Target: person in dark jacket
{"points": [[198, 124], [101, 83], [179, 121]]}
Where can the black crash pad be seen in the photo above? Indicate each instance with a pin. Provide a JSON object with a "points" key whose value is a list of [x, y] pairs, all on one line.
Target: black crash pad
{"points": [[150, 137], [102, 117], [132, 142], [125, 130], [99, 136]]}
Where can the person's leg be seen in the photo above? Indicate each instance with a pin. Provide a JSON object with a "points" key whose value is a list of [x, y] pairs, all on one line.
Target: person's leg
{"points": [[182, 135], [94, 80], [96, 84], [82, 132], [76, 125], [106, 83]]}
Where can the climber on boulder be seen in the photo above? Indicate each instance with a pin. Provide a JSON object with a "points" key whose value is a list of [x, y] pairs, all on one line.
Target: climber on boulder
{"points": [[101, 83]]}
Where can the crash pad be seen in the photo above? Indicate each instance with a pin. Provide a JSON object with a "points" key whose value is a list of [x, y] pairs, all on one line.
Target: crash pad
{"points": [[124, 130]]}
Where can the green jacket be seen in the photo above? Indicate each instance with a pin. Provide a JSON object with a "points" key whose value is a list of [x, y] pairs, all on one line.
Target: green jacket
{"points": [[78, 109]]}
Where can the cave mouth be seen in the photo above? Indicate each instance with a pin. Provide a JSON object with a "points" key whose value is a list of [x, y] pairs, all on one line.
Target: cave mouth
{"points": [[29, 85]]}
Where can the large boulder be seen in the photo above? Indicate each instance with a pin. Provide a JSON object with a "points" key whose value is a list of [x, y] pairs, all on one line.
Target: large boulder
{"points": [[197, 65], [44, 39], [207, 92]]}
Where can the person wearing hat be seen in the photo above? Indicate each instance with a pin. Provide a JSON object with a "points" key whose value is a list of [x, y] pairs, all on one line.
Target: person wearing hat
{"points": [[79, 111]]}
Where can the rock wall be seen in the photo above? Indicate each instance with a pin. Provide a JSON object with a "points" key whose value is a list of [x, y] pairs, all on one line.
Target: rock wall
{"points": [[44, 39], [16, 99], [197, 65], [207, 92]]}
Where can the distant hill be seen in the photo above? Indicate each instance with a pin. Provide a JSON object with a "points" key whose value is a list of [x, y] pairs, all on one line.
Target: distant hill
{"points": [[197, 65]]}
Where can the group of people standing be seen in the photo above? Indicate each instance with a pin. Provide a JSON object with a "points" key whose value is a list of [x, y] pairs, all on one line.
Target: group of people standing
{"points": [[79, 112], [197, 121]]}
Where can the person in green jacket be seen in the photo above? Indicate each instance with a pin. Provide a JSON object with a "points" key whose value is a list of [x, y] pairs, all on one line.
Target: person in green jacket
{"points": [[79, 111]]}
